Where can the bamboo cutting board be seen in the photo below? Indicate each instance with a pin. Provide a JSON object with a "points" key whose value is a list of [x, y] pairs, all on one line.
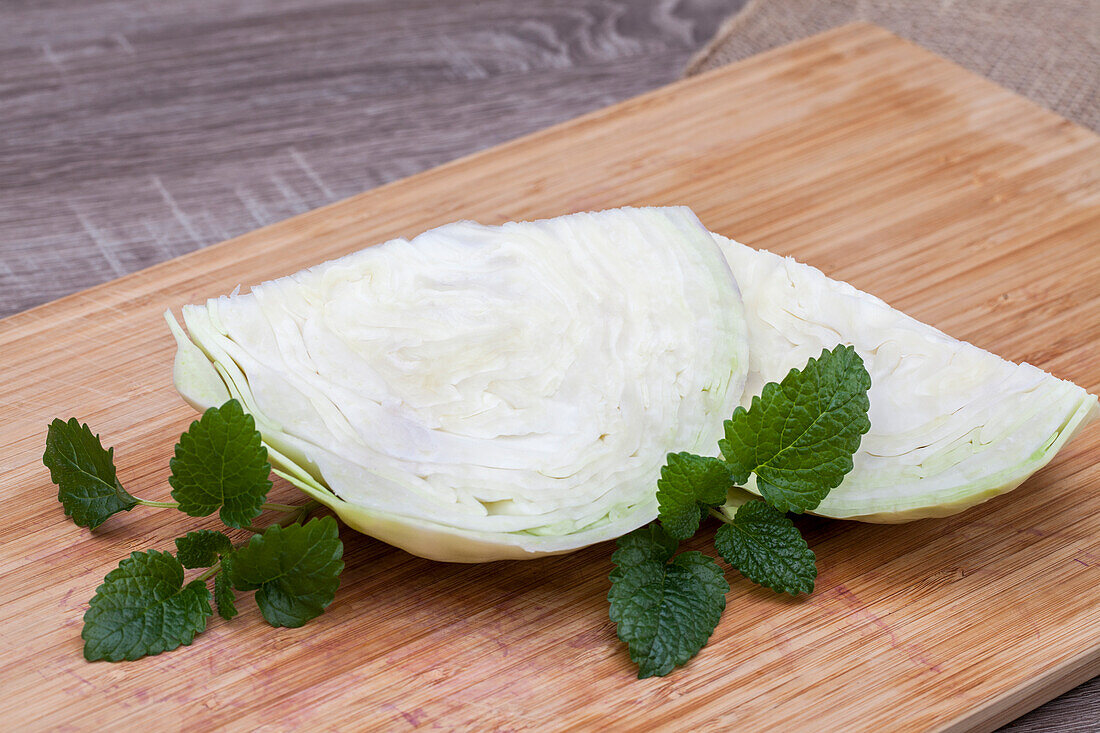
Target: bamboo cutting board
{"points": [[883, 165]]}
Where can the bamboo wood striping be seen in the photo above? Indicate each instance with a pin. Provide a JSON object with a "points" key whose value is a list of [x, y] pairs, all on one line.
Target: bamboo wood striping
{"points": [[949, 197]]}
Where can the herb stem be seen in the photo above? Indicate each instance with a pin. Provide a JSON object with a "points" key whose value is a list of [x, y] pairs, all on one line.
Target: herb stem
{"points": [[270, 506], [300, 514], [281, 507], [210, 572], [159, 504], [304, 511], [718, 514]]}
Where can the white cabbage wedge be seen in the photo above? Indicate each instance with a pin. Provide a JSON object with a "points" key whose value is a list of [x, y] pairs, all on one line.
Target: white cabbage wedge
{"points": [[952, 425], [482, 393]]}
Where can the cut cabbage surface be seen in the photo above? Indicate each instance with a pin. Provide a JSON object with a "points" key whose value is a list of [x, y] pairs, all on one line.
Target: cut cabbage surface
{"points": [[952, 425], [481, 393]]}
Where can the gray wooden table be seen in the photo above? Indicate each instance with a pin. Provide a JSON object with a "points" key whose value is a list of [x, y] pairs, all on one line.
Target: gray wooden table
{"points": [[134, 131]]}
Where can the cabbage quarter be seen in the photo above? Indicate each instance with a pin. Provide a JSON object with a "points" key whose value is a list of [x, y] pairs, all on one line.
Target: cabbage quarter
{"points": [[952, 425], [482, 393]]}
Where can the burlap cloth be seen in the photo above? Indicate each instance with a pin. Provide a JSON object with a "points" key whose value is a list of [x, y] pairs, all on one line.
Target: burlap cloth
{"points": [[1047, 50]]}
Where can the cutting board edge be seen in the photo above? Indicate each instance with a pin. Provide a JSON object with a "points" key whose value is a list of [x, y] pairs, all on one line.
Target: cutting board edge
{"points": [[1022, 699]]}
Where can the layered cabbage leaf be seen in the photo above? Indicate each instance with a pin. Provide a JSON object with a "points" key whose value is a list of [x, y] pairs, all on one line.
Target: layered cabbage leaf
{"points": [[485, 392], [952, 425]]}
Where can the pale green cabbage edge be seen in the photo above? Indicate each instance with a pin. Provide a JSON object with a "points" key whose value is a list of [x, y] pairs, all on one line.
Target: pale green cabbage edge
{"points": [[962, 497], [793, 310]]}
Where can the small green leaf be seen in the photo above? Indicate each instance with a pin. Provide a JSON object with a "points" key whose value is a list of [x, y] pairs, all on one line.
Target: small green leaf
{"points": [[143, 608], [200, 549], [220, 463], [294, 570], [84, 472], [688, 482], [223, 596], [799, 435], [665, 612], [647, 544], [763, 543]]}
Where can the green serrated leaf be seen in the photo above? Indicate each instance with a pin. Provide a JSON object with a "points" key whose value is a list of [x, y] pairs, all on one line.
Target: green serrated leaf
{"points": [[647, 544], [710, 576], [200, 549], [220, 464], [763, 543], [143, 608], [687, 483], [664, 611], [799, 435], [294, 570], [223, 596], [84, 472]]}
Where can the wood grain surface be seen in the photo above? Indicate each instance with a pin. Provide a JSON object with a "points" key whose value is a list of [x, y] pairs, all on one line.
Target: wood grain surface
{"points": [[952, 199], [133, 132]]}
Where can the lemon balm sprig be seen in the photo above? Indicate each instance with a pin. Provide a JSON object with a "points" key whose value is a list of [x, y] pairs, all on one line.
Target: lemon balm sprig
{"points": [[220, 465], [797, 438]]}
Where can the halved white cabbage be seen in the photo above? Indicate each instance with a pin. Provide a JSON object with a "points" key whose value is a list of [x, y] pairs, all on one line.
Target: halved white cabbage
{"points": [[952, 425], [481, 393]]}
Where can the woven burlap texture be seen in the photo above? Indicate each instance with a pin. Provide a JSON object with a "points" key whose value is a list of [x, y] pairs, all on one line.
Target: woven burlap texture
{"points": [[1046, 50]]}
